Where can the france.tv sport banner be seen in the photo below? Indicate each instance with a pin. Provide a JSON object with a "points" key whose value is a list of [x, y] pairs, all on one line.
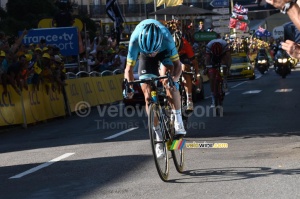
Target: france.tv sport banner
{"points": [[66, 39]]}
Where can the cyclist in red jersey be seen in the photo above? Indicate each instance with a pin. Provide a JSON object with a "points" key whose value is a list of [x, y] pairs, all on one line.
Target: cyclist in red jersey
{"points": [[217, 52], [187, 59]]}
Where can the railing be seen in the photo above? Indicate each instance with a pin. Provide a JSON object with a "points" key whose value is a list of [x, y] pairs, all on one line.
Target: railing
{"points": [[71, 75], [106, 73], [82, 74]]}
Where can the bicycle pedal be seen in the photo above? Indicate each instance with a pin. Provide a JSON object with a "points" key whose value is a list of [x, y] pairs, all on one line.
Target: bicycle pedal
{"points": [[169, 144], [189, 112]]}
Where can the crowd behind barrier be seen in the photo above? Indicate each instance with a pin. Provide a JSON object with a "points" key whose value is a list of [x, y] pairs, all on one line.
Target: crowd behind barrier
{"points": [[34, 106]]}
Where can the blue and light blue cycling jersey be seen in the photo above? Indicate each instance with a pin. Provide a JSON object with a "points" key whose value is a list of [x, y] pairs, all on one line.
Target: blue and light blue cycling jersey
{"points": [[167, 44]]}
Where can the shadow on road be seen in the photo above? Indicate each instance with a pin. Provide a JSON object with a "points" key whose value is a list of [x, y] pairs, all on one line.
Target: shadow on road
{"points": [[87, 176], [231, 174]]}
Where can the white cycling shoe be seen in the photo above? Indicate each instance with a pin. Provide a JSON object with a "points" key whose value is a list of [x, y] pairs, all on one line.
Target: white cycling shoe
{"points": [[190, 106], [225, 87], [179, 128], [160, 153]]}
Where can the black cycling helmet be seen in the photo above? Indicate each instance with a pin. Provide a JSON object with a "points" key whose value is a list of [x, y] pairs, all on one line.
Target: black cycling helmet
{"points": [[150, 39]]}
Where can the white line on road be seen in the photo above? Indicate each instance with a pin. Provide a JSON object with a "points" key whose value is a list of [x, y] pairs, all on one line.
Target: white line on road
{"points": [[121, 133], [238, 84], [252, 92], [42, 166], [284, 90]]}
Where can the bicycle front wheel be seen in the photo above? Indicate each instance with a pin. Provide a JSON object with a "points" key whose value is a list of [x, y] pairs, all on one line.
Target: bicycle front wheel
{"points": [[162, 161]]}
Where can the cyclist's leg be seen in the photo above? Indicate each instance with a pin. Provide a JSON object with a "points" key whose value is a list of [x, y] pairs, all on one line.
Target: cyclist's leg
{"points": [[226, 60], [188, 86], [148, 67], [174, 95], [212, 80]]}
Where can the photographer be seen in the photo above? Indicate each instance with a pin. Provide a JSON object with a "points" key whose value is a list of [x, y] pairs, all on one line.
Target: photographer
{"points": [[292, 9]]}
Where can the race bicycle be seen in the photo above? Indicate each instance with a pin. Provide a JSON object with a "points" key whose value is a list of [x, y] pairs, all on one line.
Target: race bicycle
{"points": [[160, 112], [185, 113]]}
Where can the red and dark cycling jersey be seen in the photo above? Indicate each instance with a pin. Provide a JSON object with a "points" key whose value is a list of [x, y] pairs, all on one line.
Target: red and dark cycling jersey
{"points": [[186, 52]]}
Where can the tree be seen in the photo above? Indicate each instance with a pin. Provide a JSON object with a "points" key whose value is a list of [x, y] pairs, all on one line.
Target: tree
{"points": [[26, 14], [22, 9], [23, 14]]}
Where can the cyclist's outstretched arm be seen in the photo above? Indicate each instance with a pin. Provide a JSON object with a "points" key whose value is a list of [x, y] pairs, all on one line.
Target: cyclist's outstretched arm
{"points": [[128, 73]]}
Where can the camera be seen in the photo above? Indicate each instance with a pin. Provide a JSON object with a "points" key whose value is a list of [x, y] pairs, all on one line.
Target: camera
{"points": [[291, 32]]}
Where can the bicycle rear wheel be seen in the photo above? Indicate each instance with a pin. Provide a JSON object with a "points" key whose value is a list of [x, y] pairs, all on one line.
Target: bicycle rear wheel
{"points": [[162, 164], [219, 97], [177, 154]]}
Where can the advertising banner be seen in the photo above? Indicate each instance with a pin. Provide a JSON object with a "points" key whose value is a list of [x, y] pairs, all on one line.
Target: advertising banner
{"points": [[54, 104], [10, 107], [118, 79], [102, 90], [73, 93], [111, 87], [34, 105], [87, 90], [66, 39]]}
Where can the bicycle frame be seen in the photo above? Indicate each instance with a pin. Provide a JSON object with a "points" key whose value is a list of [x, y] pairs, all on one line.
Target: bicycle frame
{"points": [[183, 95], [218, 85], [158, 111]]}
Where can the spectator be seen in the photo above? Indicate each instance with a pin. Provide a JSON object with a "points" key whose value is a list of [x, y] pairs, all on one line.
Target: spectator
{"points": [[57, 70], [122, 55], [201, 26], [92, 61], [292, 9], [3, 69], [37, 68], [46, 73], [14, 74], [96, 42]]}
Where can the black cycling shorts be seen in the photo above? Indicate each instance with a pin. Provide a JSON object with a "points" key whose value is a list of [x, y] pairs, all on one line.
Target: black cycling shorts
{"points": [[150, 65]]}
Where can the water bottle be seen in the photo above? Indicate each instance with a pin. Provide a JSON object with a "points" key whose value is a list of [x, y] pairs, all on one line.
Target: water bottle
{"points": [[154, 96]]}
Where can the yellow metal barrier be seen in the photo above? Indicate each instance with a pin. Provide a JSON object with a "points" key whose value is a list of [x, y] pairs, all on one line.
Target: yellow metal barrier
{"points": [[35, 106], [94, 90], [10, 107]]}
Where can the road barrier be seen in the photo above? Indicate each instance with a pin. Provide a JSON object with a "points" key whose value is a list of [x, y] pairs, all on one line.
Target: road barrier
{"points": [[36, 106]]}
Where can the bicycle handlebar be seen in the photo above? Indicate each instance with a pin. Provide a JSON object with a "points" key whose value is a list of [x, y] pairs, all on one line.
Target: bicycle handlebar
{"points": [[211, 66], [148, 80], [190, 73]]}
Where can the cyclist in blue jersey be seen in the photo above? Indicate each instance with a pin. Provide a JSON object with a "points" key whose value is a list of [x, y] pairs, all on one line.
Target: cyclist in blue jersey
{"points": [[217, 52], [153, 43]]}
